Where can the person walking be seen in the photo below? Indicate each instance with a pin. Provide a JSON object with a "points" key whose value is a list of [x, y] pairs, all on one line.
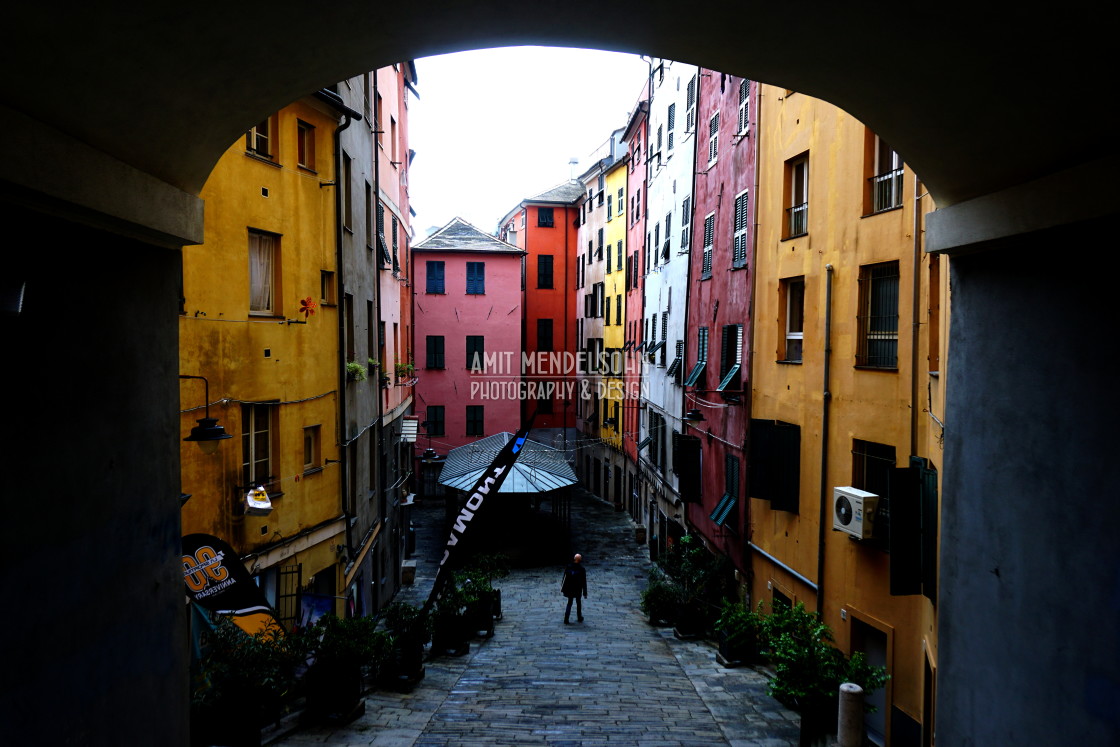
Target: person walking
{"points": [[574, 587]]}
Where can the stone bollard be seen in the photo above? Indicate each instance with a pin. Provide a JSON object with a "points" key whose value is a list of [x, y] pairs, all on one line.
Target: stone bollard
{"points": [[849, 727], [408, 572]]}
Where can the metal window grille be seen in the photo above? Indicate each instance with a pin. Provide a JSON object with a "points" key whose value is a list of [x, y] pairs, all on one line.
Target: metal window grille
{"points": [[886, 191], [878, 320]]}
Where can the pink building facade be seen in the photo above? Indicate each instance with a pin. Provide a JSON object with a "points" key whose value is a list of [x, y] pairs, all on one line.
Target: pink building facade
{"points": [[468, 339]]}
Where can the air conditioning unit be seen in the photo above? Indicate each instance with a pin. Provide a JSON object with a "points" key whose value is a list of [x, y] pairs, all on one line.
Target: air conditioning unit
{"points": [[853, 511]]}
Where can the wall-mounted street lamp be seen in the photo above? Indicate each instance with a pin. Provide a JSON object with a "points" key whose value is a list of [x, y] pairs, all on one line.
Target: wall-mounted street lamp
{"points": [[207, 434]]}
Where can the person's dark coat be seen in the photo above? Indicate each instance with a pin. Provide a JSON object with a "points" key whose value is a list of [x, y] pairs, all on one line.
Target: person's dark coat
{"points": [[575, 581]]}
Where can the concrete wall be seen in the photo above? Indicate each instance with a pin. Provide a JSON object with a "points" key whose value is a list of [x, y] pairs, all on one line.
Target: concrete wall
{"points": [[1030, 565], [94, 624]]}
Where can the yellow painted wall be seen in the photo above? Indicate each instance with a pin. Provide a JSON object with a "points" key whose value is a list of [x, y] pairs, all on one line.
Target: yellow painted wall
{"points": [[870, 405], [250, 358], [614, 335]]}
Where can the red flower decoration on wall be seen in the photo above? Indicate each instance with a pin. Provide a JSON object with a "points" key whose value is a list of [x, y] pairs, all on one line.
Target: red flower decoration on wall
{"points": [[307, 307]]}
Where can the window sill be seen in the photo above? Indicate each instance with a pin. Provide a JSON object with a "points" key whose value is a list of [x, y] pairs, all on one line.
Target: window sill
{"points": [[886, 369], [880, 212], [795, 236], [307, 169], [262, 159], [789, 363], [312, 471], [264, 315]]}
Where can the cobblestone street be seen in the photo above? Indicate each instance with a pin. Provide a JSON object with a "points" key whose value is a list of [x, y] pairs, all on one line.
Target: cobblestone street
{"points": [[611, 680]]}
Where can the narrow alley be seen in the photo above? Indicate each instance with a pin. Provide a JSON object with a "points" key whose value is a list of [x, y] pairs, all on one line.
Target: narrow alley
{"points": [[611, 680]]}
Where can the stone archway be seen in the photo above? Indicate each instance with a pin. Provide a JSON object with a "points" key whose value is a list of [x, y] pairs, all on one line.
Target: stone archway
{"points": [[114, 115]]}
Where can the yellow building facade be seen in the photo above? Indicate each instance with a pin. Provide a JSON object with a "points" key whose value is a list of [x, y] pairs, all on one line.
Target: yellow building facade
{"points": [[259, 321], [614, 322], [848, 341]]}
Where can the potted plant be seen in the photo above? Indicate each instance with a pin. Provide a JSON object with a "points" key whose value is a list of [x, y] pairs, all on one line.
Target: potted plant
{"points": [[487, 568], [342, 649], [355, 371], [404, 370], [808, 669], [373, 364], [704, 579], [737, 634], [451, 629], [661, 599], [245, 681], [409, 629]]}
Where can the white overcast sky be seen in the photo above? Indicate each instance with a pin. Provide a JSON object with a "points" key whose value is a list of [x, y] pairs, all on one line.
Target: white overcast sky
{"points": [[495, 126]]}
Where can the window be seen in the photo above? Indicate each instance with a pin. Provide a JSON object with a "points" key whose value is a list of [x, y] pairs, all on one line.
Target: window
{"points": [[726, 511], [686, 223], [258, 435], [545, 217], [476, 278], [312, 459], [326, 288], [675, 367], [618, 309], [731, 357], [672, 123], [797, 197], [690, 105], [434, 357], [305, 145], [544, 271], [774, 464], [385, 258], [599, 290], [877, 345], [380, 111], [369, 213], [607, 313], [476, 352], [264, 273], [695, 377], [886, 177], [599, 245], [544, 335], [258, 140], [396, 245], [713, 138], [668, 231], [610, 206], [344, 192], [793, 318], [739, 252], [435, 271], [610, 261], [618, 255], [435, 420], [662, 351], [709, 241], [658, 438], [744, 106], [475, 420]]}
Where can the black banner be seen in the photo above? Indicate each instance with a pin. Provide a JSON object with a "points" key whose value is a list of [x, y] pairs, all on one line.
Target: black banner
{"points": [[487, 486], [218, 581]]}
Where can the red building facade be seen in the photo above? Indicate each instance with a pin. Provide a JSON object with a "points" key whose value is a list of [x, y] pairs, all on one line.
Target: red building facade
{"points": [[544, 227], [717, 340]]}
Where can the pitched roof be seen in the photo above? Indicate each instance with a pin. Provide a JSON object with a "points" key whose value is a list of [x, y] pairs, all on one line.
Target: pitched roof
{"points": [[538, 469], [461, 236], [569, 191]]}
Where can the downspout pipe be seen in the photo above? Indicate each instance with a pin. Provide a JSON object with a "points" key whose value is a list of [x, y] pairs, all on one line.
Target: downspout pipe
{"points": [[349, 115], [915, 318], [826, 399]]}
